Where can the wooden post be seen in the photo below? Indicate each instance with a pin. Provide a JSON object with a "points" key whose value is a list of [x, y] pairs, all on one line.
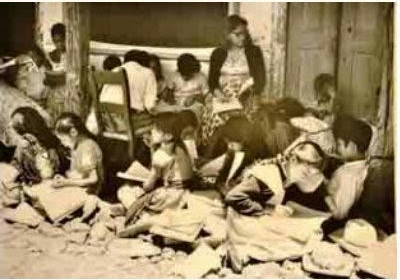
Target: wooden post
{"points": [[76, 17], [267, 25], [382, 143]]}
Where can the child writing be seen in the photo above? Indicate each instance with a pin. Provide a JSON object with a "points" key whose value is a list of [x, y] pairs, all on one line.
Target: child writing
{"points": [[170, 163], [86, 170], [188, 83]]}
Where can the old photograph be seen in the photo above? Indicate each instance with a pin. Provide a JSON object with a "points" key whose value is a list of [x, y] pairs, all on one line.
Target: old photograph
{"points": [[197, 140]]}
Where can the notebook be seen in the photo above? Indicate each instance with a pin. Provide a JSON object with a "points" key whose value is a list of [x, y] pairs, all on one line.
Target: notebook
{"points": [[212, 168], [59, 203], [135, 172]]}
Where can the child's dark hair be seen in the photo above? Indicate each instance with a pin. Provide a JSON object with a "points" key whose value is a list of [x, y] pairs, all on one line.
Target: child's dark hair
{"points": [[237, 129], [58, 29], [111, 62], [34, 124], [187, 118], [289, 107], [67, 121], [169, 123], [188, 65], [348, 129], [141, 57], [157, 69]]}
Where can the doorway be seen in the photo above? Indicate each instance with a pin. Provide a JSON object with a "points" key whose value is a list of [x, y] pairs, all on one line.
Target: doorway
{"points": [[342, 39]]}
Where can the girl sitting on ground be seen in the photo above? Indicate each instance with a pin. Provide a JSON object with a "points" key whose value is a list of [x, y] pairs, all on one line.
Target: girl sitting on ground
{"points": [[170, 163], [86, 168]]}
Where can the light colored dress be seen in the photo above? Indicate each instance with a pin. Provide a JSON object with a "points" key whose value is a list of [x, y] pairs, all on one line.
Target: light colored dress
{"points": [[86, 157], [176, 170]]}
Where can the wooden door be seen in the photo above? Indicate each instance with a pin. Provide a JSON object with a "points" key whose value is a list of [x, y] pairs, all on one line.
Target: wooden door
{"points": [[360, 58], [312, 47]]}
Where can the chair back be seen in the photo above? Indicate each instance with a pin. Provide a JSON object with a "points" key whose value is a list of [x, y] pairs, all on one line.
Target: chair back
{"points": [[97, 80]]}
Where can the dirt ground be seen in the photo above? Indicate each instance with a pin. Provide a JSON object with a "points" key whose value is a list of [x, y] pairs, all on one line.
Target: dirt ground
{"points": [[35, 253]]}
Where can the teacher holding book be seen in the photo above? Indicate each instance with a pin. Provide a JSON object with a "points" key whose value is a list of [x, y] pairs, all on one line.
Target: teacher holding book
{"points": [[237, 72]]}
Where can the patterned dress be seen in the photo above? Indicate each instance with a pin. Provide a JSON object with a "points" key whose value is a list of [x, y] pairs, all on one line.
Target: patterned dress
{"points": [[234, 73]]}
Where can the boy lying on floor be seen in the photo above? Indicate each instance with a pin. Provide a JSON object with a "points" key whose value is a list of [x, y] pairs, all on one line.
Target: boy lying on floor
{"points": [[258, 227]]}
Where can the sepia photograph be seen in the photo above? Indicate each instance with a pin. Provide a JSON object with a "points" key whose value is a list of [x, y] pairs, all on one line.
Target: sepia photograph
{"points": [[189, 140]]}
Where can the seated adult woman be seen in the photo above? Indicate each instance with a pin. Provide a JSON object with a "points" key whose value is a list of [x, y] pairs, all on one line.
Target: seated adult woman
{"points": [[236, 71]]}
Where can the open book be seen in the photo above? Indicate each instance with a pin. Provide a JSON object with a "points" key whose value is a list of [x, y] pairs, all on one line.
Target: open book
{"points": [[212, 168], [221, 106], [135, 172], [246, 85]]}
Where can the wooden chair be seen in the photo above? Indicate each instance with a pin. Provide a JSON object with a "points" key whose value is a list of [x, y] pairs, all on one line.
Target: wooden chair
{"points": [[97, 79]]}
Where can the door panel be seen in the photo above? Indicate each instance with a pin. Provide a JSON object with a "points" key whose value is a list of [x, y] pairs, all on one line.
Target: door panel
{"points": [[312, 47], [360, 55]]}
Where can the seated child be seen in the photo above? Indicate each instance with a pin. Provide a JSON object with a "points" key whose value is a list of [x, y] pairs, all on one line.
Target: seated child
{"points": [[170, 163], [188, 83], [325, 92], [86, 170], [239, 152], [353, 138], [259, 227]]}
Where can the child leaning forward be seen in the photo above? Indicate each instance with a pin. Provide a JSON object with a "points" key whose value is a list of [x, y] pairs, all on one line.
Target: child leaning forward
{"points": [[86, 170]]}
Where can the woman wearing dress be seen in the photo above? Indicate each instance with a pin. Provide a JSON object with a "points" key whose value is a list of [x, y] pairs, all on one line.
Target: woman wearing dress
{"points": [[233, 66]]}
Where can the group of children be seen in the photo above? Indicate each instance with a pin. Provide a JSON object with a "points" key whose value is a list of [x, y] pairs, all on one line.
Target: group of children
{"points": [[268, 161]]}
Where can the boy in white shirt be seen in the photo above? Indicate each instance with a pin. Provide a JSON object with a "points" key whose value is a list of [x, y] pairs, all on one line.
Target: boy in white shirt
{"points": [[353, 138]]}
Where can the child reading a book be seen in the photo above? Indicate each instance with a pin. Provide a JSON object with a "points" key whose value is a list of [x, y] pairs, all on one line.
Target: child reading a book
{"points": [[86, 170], [188, 83], [171, 164]]}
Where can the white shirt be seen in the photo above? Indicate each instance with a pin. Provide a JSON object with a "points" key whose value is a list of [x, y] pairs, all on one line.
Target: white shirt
{"points": [[346, 187], [142, 87]]}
